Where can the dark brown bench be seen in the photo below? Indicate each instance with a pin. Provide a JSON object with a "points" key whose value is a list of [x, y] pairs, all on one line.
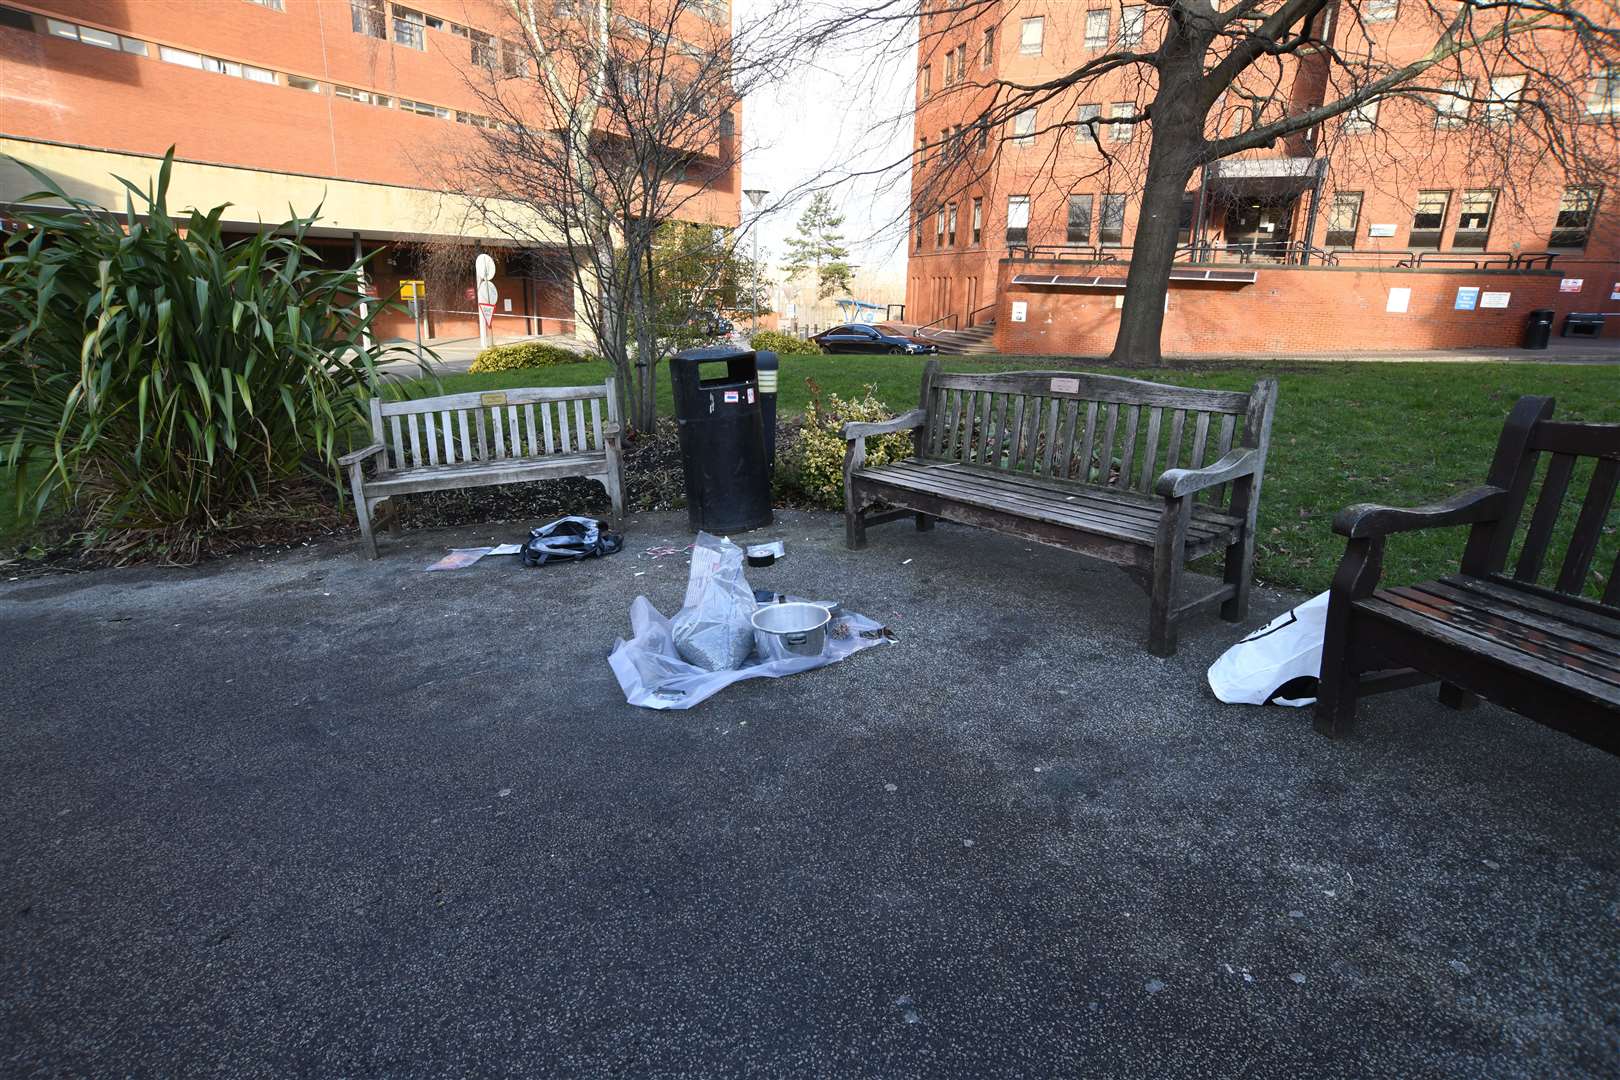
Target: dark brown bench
{"points": [[1550, 651], [1146, 476]]}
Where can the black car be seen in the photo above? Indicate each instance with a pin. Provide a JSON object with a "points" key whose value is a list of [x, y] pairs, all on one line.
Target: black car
{"points": [[862, 338]]}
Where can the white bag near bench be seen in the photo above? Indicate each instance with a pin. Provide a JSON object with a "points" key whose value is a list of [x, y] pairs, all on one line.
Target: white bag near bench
{"points": [[1289, 647]]}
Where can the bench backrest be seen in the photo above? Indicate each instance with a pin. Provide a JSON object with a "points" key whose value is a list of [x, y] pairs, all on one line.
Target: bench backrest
{"points": [[1569, 541], [1099, 430], [496, 425]]}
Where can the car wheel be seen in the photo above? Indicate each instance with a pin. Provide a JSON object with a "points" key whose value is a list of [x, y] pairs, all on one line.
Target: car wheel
{"points": [[895, 350]]}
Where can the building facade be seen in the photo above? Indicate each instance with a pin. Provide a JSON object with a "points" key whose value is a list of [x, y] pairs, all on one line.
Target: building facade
{"points": [[1385, 229], [282, 106]]}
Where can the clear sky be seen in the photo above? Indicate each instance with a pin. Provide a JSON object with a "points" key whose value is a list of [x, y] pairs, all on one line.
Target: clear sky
{"points": [[825, 123]]}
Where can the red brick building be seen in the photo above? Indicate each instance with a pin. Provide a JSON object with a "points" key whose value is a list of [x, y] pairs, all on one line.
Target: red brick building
{"points": [[1386, 231], [352, 105]]}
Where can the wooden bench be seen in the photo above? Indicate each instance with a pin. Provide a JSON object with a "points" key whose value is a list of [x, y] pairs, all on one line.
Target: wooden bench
{"points": [[1143, 475], [482, 439], [1550, 651]]}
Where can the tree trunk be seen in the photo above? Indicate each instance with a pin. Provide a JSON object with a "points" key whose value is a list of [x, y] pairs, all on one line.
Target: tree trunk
{"points": [[1178, 139]]}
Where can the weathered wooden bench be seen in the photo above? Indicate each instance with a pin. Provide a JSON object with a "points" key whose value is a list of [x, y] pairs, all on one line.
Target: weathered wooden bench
{"points": [[482, 439], [1110, 467], [1548, 651]]}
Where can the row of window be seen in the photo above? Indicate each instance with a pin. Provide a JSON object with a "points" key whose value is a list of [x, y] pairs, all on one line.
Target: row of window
{"points": [[1577, 208], [407, 27], [1128, 34], [956, 63], [106, 39], [1110, 222]]}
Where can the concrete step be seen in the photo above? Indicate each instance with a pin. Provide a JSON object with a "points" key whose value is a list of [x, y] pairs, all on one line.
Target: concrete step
{"points": [[974, 341]]}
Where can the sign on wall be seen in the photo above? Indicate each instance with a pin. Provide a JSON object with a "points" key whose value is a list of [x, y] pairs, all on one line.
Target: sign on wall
{"points": [[1399, 300], [1380, 230], [1571, 284], [1495, 299], [1020, 311], [1467, 298]]}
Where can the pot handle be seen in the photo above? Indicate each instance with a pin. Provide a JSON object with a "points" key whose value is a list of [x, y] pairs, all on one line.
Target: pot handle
{"points": [[795, 639]]}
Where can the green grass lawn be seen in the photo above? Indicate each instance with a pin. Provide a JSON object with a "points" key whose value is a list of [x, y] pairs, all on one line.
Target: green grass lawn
{"points": [[1349, 432], [1401, 434]]}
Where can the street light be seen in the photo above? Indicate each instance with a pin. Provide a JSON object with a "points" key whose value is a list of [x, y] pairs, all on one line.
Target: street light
{"points": [[756, 196]]}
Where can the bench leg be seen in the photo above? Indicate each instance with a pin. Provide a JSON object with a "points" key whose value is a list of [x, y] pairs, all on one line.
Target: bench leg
{"points": [[854, 528], [1239, 573], [363, 512], [925, 522], [1455, 697], [1168, 551], [615, 490], [396, 514]]}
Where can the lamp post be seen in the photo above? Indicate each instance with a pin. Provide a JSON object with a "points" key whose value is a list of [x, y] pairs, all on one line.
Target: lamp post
{"points": [[756, 196]]}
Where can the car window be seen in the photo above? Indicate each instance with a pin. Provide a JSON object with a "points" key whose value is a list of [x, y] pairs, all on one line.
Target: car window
{"points": [[839, 330], [866, 331]]}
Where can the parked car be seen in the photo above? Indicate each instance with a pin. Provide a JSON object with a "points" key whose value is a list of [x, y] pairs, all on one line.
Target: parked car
{"points": [[862, 338]]}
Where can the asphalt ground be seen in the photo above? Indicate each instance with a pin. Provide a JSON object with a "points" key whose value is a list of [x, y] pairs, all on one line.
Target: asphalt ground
{"points": [[310, 815]]}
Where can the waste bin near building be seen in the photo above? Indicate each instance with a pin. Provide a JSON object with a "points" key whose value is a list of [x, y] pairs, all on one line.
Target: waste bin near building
{"points": [[720, 414], [1583, 324], [1538, 328]]}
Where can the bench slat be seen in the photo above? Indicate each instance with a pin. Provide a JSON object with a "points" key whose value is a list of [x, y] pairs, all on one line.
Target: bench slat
{"points": [[1217, 494], [481, 399], [1589, 526], [1155, 417], [1544, 517], [1054, 406], [399, 442], [416, 442], [1511, 608], [990, 491], [1128, 458], [1549, 644], [431, 437], [500, 432], [1576, 610], [1105, 467], [545, 428], [596, 423], [1091, 432], [1505, 654], [533, 434], [466, 440], [1172, 450], [1103, 388], [562, 428], [579, 424], [1016, 431], [1147, 508], [1611, 592], [1200, 440]]}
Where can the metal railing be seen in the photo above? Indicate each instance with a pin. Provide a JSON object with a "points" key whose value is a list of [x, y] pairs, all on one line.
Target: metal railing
{"points": [[1479, 260], [890, 316], [1281, 252], [973, 316], [951, 318], [1062, 253]]}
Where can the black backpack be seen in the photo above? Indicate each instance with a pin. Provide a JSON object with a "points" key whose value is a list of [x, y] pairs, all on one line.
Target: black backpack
{"points": [[570, 538]]}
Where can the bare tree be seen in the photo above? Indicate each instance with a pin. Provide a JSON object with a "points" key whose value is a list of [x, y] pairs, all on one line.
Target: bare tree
{"points": [[1509, 82], [606, 119]]}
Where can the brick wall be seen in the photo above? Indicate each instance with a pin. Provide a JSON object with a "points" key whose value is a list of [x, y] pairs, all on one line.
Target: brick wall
{"points": [[1288, 310]]}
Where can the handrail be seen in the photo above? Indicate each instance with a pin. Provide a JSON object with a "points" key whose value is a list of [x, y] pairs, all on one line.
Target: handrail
{"points": [[890, 316], [1479, 260], [1061, 252], [1289, 252], [972, 316], [942, 318]]}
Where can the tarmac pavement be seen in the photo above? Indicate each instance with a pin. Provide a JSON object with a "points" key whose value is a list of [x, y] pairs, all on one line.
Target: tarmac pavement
{"points": [[310, 815]]}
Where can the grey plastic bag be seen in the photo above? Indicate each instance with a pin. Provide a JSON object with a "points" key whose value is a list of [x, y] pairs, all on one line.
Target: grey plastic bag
{"points": [[713, 630]]}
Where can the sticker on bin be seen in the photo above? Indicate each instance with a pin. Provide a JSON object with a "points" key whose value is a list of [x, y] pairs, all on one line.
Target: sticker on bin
{"points": [[750, 395], [731, 397]]}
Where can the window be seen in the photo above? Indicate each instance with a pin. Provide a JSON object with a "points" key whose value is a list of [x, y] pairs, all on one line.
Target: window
{"points": [[927, 80], [1575, 213], [1451, 107], [961, 62], [950, 67], [978, 221], [1603, 99], [364, 97], [368, 17], [1111, 230], [1017, 219], [1379, 10], [1363, 117], [180, 56], [922, 150], [1344, 214], [1024, 128], [950, 225], [1117, 131], [921, 218], [987, 48], [939, 227], [1474, 220], [1184, 220], [1132, 18], [273, 5], [422, 108], [514, 62], [197, 62], [89, 35], [298, 82], [1429, 219], [1506, 93], [483, 49], [410, 28], [1031, 35], [1079, 219], [1096, 28], [1085, 130]]}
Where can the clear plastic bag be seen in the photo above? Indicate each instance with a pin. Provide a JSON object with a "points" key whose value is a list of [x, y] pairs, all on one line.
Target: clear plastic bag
{"points": [[713, 630]]}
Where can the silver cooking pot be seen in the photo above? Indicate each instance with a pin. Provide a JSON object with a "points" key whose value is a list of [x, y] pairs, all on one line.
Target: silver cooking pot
{"points": [[799, 629]]}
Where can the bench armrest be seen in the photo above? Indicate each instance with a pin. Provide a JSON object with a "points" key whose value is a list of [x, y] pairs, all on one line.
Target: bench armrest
{"points": [[1365, 520], [357, 456], [903, 422], [1178, 482]]}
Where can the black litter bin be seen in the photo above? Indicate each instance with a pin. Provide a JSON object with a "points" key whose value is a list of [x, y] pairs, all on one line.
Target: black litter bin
{"points": [[1538, 328], [719, 412]]}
